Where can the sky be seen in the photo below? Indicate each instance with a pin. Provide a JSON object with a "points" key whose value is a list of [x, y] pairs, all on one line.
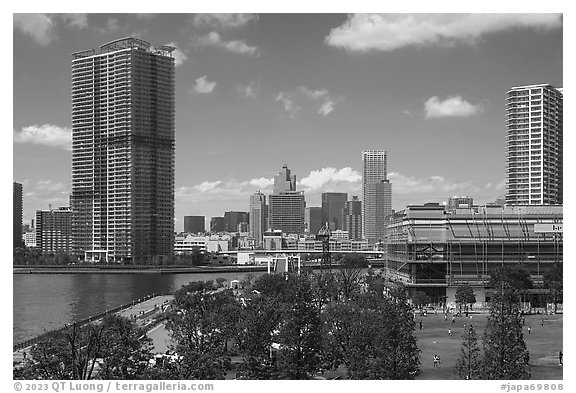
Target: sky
{"points": [[254, 92]]}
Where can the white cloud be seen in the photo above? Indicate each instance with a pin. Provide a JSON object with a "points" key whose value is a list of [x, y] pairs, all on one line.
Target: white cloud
{"points": [[320, 98], [38, 26], [288, 103], [41, 27], [223, 21], [46, 134], [180, 56], [262, 182], [207, 186], [250, 90], [204, 86], [326, 108], [240, 47], [319, 178], [386, 32], [453, 106]]}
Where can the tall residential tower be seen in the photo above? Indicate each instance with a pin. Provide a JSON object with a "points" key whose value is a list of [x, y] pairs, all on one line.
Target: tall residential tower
{"points": [[534, 145], [17, 214], [123, 151], [377, 194]]}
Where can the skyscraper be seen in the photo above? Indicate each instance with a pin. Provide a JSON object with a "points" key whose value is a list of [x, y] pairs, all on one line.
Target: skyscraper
{"points": [[194, 224], [217, 224], [123, 151], [286, 205], [313, 219], [258, 217], [353, 218], [534, 145], [232, 219], [332, 208], [17, 214], [377, 194]]}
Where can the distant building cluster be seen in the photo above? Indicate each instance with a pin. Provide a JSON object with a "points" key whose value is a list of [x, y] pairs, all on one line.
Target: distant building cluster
{"points": [[122, 197]]}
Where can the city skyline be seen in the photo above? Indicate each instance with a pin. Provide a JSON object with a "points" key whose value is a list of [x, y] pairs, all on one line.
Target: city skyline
{"points": [[251, 89]]}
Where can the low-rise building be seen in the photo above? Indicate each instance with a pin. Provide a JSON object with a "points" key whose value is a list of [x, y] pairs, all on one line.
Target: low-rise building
{"points": [[436, 250]]}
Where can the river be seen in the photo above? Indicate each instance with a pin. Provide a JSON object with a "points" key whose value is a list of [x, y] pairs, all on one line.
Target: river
{"points": [[45, 302]]}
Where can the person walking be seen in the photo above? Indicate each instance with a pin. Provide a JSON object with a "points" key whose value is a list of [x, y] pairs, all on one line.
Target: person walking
{"points": [[560, 356], [529, 330], [542, 323], [420, 324], [449, 331], [445, 317], [453, 320], [436, 361]]}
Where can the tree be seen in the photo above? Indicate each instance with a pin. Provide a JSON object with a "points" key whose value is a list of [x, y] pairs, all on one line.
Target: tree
{"points": [[116, 343], [372, 334], [259, 322], [202, 323], [271, 285], [553, 281], [469, 365], [465, 295], [505, 353], [420, 299], [510, 281], [350, 276], [400, 350], [299, 335], [126, 350]]}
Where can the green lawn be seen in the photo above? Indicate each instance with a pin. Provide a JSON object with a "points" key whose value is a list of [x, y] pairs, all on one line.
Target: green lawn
{"points": [[543, 344]]}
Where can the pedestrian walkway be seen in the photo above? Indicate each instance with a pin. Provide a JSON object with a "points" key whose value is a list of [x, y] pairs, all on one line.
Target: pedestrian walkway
{"points": [[143, 312]]}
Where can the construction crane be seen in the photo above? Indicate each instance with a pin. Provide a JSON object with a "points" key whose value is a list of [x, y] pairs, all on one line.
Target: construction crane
{"points": [[324, 237]]}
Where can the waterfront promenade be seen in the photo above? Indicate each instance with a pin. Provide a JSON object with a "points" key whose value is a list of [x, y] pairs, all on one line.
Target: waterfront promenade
{"points": [[143, 311]]}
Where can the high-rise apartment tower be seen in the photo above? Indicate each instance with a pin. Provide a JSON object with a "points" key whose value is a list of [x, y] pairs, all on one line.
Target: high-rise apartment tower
{"points": [[54, 230], [17, 214], [377, 194], [123, 151], [534, 145]]}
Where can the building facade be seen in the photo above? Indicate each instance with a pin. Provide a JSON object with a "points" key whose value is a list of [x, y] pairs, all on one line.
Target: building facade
{"points": [[353, 218], [123, 151], [258, 218], [194, 224], [377, 195], [216, 224], [435, 250], [54, 230], [534, 144], [17, 206], [29, 239], [233, 219], [286, 205], [313, 220], [459, 201], [333, 204]]}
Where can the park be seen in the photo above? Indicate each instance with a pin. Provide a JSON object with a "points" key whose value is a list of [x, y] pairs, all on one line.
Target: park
{"points": [[543, 344]]}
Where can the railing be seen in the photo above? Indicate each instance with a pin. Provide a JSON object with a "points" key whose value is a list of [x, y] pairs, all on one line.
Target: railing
{"points": [[90, 319]]}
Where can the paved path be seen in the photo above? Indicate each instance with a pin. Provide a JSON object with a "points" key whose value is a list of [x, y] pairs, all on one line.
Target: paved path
{"points": [[143, 313]]}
